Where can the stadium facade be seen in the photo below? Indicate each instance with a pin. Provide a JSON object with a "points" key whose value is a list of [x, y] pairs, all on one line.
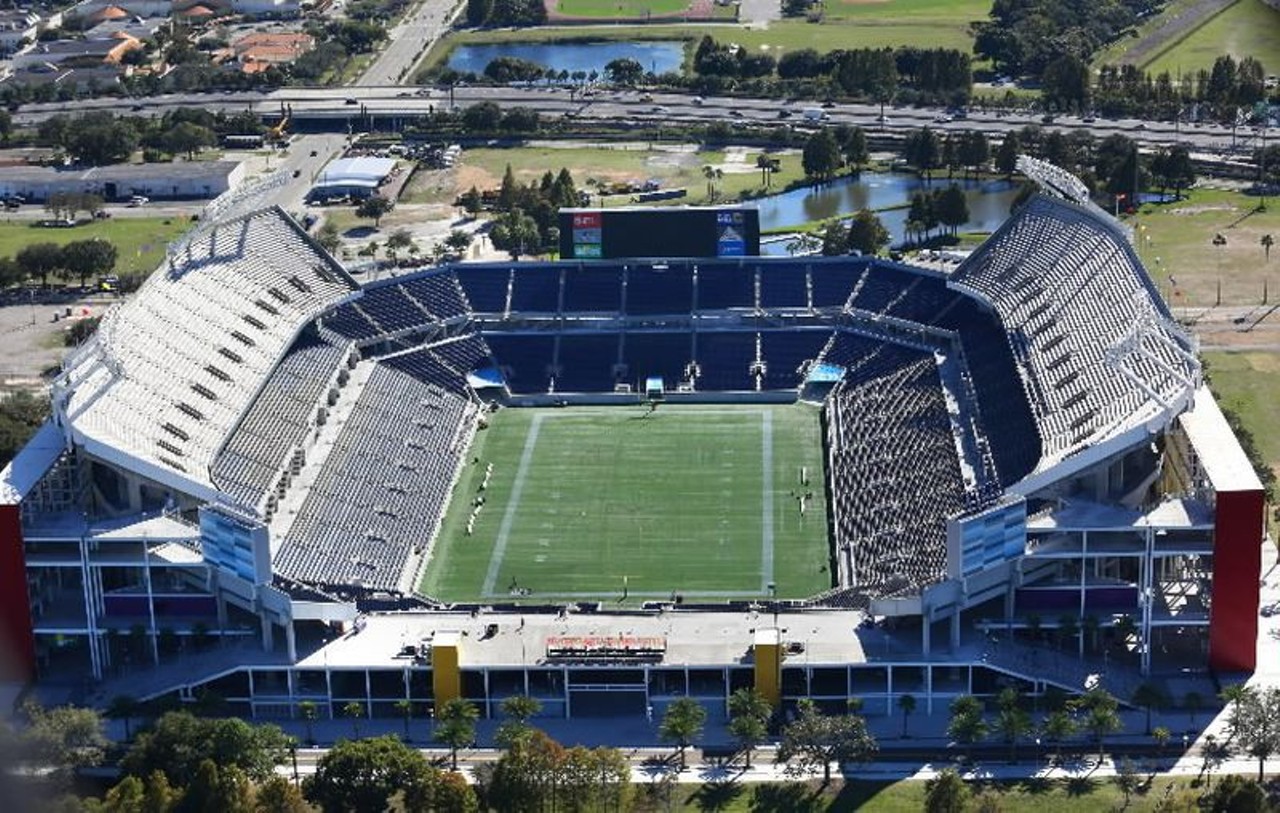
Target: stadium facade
{"points": [[248, 465]]}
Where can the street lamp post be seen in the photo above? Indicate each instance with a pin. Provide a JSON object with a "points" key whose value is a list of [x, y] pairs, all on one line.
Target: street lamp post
{"points": [[1220, 242]]}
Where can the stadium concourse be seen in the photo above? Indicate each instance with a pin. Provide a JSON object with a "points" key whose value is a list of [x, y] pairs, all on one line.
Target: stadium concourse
{"points": [[256, 462]]}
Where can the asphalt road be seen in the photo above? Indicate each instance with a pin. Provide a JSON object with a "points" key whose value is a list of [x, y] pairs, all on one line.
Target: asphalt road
{"points": [[632, 106], [409, 40]]}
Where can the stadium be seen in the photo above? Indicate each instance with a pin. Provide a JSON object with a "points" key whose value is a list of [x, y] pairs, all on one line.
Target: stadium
{"points": [[611, 483]]}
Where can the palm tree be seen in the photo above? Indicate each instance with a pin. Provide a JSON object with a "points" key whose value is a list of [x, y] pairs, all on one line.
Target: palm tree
{"points": [[354, 710], [1056, 728], [404, 707], [1101, 716], [967, 726], [1232, 695], [456, 726], [1149, 696], [682, 723], [1161, 735], [1013, 721], [907, 704], [309, 713], [1068, 628], [749, 714], [518, 709]]}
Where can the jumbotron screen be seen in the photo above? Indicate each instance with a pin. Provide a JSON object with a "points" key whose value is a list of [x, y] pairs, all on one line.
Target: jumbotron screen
{"points": [[609, 234]]}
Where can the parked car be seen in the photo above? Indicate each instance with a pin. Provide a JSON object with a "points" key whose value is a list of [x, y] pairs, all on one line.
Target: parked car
{"points": [[138, 200]]}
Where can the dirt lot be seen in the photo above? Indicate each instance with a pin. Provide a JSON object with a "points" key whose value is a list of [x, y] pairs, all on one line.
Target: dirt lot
{"points": [[33, 341]]}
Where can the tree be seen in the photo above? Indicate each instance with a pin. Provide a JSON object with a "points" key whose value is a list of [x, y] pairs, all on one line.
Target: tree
{"points": [[1065, 85], [482, 117], [179, 741], [1149, 696], [187, 138], [923, 150], [309, 712], [478, 12], [98, 139], [404, 707], [456, 726], [946, 793], [399, 239], [374, 207], [835, 239], [682, 723], [65, 738], [974, 151], [88, 258], [856, 151], [1161, 735], [952, 208], [516, 233], [623, 71], [458, 241], [1057, 726], [1013, 722], [814, 740], [39, 260], [159, 796], [1127, 778], [967, 726], [1256, 721], [749, 714], [821, 156], [328, 237], [353, 711], [217, 789], [1007, 154], [866, 233], [361, 776], [279, 795], [1101, 716], [907, 705], [1236, 794], [518, 709]]}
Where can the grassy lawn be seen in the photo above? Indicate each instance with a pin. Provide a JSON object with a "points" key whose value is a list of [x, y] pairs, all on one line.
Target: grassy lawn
{"points": [[1181, 236], [620, 8], [1248, 28], [582, 497], [1248, 383], [907, 796], [590, 166], [140, 240]]}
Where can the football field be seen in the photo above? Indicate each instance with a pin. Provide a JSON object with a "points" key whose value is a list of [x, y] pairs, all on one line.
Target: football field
{"points": [[624, 504]]}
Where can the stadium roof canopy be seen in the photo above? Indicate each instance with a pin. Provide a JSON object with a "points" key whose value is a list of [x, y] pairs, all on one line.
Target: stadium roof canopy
{"points": [[169, 373]]}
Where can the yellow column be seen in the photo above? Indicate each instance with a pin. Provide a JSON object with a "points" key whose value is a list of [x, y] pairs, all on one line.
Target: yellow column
{"points": [[446, 675], [768, 658]]}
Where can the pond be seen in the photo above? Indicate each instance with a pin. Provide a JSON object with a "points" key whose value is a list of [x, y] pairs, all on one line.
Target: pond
{"points": [[658, 57]]}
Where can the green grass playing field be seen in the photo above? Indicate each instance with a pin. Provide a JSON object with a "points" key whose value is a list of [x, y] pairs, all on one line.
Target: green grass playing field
{"points": [[698, 500], [621, 9]]}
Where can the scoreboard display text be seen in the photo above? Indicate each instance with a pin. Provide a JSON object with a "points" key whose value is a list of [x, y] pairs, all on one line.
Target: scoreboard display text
{"points": [[607, 234]]}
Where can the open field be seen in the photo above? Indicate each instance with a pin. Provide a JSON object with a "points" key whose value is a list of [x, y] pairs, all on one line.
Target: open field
{"points": [[677, 166], [632, 9], [1248, 383], [1177, 240], [587, 502], [140, 240], [1247, 28]]}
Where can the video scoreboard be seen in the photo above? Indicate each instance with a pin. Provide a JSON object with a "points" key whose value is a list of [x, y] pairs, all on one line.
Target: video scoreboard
{"points": [[608, 234]]}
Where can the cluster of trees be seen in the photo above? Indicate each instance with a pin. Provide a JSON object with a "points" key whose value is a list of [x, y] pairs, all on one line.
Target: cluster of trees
{"points": [[1128, 90], [488, 117], [1095, 713], [21, 414], [527, 215], [829, 150], [937, 207], [1026, 36], [497, 13], [865, 235], [100, 138], [928, 151], [919, 74], [79, 259]]}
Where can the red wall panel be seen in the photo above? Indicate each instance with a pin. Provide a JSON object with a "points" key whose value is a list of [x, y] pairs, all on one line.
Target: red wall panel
{"points": [[1237, 567], [17, 643]]}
